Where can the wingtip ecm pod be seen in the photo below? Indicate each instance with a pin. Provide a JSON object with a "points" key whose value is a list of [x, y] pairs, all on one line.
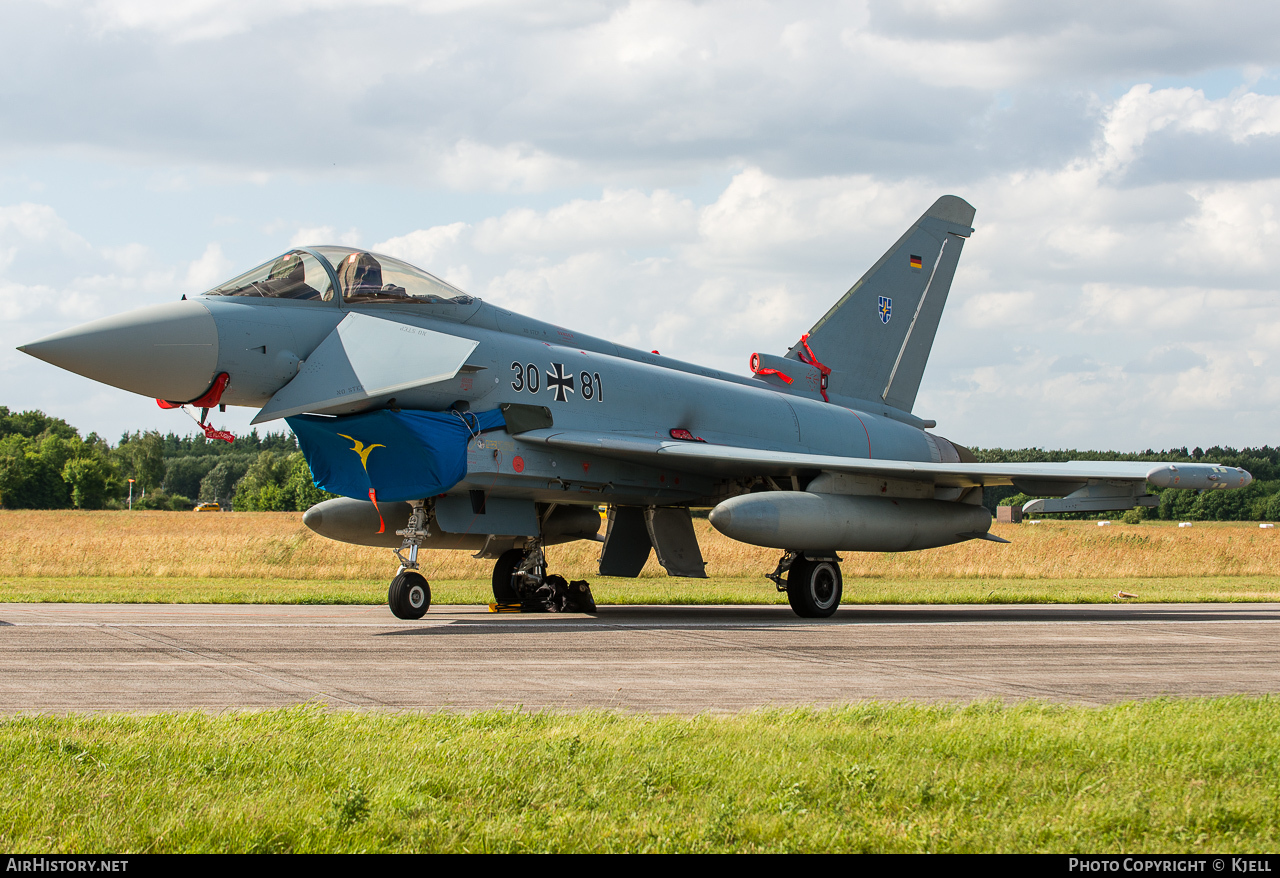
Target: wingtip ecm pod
{"points": [[1199, 476]]}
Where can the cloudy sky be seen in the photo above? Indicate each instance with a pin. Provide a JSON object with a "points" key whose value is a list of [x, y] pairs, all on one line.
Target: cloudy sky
{"points": [[700, 178]]}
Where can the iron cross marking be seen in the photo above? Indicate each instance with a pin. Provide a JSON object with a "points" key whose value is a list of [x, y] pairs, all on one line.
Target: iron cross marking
{"points": [[561, 382]]}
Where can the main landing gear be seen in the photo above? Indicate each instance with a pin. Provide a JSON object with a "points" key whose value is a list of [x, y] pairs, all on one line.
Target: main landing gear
{"points": [[521, 583], [518, 573], [410, 594], [813, 582]]}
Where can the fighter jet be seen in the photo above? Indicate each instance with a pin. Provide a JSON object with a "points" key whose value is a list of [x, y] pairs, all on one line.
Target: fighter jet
{"points": [[443, 421]]}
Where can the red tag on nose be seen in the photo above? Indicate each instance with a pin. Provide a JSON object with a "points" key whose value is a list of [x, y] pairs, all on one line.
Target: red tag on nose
{"points": [[382, 525]]}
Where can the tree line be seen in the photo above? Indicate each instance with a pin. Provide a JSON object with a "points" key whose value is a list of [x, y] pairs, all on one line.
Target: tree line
{"points": [[46, 464]]}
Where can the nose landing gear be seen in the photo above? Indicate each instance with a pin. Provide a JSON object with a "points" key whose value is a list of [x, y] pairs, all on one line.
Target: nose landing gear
{"points": [[410, 594]]}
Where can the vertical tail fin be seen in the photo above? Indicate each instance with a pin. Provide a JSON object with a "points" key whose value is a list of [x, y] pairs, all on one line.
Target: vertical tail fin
{"points": [[876, 339]]}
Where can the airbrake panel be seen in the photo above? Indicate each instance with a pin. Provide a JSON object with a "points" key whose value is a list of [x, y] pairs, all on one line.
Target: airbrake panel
{"points": [[626, 542], [671, 531]]}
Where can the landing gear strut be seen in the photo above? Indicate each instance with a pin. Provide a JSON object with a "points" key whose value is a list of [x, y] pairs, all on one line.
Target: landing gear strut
{"points": [[410, 594], [518, 573], [813, 585]]}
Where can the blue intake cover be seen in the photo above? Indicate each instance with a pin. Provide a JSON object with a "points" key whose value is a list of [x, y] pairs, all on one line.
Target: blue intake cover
{"points": [[405, 455]]}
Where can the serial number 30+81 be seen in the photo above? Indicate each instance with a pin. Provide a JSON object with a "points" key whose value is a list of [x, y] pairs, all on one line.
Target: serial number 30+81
{"points": [[528, 377]]}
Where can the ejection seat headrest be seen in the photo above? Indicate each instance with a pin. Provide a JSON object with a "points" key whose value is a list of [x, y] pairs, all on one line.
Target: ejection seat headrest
{"points": [[360, 272], [288, 267]]}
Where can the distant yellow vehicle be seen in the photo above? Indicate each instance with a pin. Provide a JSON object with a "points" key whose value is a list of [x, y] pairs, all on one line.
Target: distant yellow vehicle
{"points": [[208, 507]]}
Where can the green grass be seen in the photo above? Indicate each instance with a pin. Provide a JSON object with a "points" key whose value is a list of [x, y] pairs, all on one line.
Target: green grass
{"points": [[1159, 776], [754, 590]]}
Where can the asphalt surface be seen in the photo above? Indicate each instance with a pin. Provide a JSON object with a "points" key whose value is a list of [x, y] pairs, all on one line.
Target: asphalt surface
{"points": [[62, 658]]}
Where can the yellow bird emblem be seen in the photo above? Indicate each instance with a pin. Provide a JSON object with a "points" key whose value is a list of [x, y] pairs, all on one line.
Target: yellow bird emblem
{"points": [[360, 449]]}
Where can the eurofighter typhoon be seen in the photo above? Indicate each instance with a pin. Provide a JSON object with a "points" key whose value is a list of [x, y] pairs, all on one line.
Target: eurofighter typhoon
{"points": [[445, 422]]}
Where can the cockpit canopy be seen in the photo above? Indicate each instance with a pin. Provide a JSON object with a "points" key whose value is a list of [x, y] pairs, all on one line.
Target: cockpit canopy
{"points": [[362, 277]]}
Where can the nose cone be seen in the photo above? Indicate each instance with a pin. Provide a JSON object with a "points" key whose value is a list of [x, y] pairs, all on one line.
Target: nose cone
{"points": [[165, 351]]}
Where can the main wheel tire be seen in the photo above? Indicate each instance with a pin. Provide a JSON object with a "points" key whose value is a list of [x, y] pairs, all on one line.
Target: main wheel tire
{"points": [[504, 591], [409, 595], [814, 588]]}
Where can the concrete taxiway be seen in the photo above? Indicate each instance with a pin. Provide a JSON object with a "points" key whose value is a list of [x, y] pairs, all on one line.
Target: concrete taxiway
{"points": [[60, 658]]}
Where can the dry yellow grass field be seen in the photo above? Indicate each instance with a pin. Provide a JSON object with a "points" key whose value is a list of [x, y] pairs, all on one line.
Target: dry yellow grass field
{"points": [[276, 545], [270, 557]]}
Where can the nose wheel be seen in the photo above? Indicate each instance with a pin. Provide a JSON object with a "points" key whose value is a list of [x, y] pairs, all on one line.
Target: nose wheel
{"points": [[409, 595]]}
